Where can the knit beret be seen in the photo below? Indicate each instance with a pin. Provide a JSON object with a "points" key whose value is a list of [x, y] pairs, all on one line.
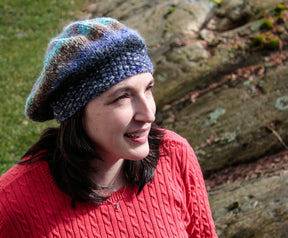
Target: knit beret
{"points": [[83, 61]]}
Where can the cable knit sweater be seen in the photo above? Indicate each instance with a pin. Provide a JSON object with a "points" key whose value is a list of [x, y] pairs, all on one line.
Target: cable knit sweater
{"points": [[173, 204]]}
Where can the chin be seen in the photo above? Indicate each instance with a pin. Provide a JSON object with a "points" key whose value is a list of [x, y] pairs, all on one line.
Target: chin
{"points": [[138, 157], [139, 154]]}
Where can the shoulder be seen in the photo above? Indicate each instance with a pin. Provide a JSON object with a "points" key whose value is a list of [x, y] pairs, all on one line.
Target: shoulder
{"points": [[17, 173], [173, 141], [178, 156], [28, 194], [176, 151], [13, 187], [173, 137], [19, 184], [12, 176]]}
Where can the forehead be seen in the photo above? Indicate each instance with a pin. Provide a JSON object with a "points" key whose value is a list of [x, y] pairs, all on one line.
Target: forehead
{"points": [[136, 81]]}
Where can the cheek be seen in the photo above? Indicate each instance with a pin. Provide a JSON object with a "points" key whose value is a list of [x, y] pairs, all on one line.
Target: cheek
{"points": [[90, 127], [121, 120], [92, 122], [153, 105], [116, 120]]}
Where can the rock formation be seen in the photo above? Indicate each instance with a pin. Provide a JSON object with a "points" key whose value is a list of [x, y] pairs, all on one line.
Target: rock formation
{"points": [[221, 82]]}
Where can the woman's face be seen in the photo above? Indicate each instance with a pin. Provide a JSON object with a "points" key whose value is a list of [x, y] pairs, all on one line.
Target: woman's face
{"points": [[119, 120]]}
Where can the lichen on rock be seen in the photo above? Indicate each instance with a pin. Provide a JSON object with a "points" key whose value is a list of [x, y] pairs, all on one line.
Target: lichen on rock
{"points": [[282, 103]]}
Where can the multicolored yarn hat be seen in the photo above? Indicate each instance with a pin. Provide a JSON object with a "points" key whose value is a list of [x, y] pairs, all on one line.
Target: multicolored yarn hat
{"points": [[85, 60]]}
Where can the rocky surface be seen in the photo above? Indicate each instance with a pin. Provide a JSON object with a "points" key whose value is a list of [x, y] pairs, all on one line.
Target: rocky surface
{"points": [[220, 71], [255, 208], [221, 82], [251, 199]]}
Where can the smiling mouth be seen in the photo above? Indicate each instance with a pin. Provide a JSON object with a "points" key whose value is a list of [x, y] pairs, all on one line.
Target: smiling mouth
{"points": [[135, 135]]}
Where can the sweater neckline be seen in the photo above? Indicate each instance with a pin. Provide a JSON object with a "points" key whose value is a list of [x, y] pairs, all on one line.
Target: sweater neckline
{"points": [[113, 197], [119, 196]]}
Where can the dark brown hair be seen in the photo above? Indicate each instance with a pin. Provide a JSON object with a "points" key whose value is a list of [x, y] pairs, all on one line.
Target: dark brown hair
{"points": [[69, 152]]}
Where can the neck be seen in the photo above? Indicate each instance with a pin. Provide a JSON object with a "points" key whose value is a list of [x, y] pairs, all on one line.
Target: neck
{"points": [[110, 176]]}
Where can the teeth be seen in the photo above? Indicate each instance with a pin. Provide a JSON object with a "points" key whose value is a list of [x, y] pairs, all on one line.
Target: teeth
{"points": [[135, 135]]}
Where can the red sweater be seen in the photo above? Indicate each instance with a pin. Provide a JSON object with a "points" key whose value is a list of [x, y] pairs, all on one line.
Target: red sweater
{"points": [[174, 204]]}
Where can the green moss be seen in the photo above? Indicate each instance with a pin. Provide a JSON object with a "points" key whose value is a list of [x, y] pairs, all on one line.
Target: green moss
{"points": [[233, 206], [266, 24], [170, 11], [166, 29], [277, 11], [279, 8], [265, 42], [280, 31], [272, 44], [218, 3], [240, 47], [257, 41]]}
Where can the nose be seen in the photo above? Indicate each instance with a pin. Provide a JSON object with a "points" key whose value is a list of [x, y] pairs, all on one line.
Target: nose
{"points": [[145, 109]]}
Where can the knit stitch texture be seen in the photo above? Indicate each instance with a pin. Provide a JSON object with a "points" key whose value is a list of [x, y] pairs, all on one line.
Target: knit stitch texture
{"points": [[85, 60], [174, 204]]}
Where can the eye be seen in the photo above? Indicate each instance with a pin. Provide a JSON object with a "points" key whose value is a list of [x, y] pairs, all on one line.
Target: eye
{"points": [[150, 88], [123, 96]]}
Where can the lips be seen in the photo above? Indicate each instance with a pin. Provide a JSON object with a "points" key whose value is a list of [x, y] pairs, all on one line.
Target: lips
{"points": [[137, 134]]}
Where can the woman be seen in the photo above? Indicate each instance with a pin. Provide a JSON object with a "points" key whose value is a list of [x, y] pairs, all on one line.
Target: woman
{"points": [[107, 171]]}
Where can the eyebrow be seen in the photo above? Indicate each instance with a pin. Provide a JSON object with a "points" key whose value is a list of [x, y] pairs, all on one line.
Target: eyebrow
{"points": [[127, 88]]}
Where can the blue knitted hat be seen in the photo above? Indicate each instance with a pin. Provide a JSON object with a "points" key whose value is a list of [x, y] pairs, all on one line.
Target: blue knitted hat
{"points": [[85, 60]]}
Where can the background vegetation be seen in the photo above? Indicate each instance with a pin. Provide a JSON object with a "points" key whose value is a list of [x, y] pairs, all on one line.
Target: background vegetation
{"points": [[26, 28]]}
